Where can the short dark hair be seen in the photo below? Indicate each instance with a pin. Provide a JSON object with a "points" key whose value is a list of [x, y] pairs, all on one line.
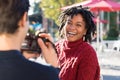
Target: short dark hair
{"points": [[87, 16], [11, 11]]}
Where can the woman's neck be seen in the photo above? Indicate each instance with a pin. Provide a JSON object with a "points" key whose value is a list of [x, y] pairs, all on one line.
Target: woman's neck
{"points": [[74, 43]]}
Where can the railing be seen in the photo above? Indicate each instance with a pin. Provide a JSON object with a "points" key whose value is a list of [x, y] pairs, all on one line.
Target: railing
{"points": [[106, 45]]}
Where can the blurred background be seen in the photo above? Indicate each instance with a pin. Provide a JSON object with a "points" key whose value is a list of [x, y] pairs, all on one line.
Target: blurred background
{"points": [[43, 14]]}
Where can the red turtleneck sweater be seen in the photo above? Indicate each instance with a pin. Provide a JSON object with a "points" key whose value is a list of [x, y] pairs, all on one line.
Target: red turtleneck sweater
{"points": [[78, 61]]}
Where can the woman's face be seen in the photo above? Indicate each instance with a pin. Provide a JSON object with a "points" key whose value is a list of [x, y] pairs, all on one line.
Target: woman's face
{"points": [[74, 28]]}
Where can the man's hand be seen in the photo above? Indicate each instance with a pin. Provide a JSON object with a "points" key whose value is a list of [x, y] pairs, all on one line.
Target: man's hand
{"points": [[48, 51]]}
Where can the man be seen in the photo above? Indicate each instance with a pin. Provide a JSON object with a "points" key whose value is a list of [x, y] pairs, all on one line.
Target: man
{"points": [[13, 28]]}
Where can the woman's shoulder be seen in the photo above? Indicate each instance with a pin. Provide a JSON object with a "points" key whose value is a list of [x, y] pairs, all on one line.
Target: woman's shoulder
{"points": [[89, 53], [88, 49], [87, 46]]}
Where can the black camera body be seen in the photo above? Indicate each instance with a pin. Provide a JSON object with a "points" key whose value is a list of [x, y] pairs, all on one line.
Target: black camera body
{"points": [[31, 44]]}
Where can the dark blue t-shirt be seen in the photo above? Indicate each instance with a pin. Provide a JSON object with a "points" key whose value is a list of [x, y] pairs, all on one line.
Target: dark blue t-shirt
{"points": [[13, 66]]}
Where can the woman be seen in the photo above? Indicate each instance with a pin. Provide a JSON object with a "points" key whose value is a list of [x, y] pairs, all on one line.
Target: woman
{"points": [[77, 59]]}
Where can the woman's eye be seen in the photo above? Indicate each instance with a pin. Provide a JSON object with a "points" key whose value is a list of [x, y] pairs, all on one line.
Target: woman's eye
{"points": [[79, 25], [69, 23]]}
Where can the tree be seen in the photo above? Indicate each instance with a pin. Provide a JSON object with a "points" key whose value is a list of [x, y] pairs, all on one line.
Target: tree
{"points": [[112, 34], [52, 8], [37, 13]]}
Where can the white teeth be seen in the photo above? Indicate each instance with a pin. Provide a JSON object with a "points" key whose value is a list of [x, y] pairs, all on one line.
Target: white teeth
{"points": [[72, 33]]}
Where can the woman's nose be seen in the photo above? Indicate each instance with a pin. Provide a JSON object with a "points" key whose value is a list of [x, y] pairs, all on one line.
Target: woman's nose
{"points": [[72, 27]]}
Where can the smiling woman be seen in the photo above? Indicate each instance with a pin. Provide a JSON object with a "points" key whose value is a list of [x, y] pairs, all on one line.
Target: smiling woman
{"points": [[75, 28], [77, 58]]}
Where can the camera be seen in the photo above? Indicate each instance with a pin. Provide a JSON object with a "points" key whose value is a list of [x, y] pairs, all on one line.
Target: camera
{"points": [[31, 44]]}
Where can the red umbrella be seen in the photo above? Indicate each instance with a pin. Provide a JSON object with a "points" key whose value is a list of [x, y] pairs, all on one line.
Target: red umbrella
{"points": [[78, 4], [104, 5], [101, 21]]}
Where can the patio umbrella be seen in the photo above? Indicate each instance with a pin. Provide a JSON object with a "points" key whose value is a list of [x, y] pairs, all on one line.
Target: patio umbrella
{"points": [[100, 21], [78, 4], [103, 5]]}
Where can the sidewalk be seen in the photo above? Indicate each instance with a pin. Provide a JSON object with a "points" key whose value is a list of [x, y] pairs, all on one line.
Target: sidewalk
{"points": [[110, 65]]}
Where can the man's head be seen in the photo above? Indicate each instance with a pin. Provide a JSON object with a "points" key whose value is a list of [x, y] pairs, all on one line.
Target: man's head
{"points": [[11, 12]]}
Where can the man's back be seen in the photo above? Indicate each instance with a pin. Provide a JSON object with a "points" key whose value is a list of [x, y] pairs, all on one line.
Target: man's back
{"points": [[13, 66]]}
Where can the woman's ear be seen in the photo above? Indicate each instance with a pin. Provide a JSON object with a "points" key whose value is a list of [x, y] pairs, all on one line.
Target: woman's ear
{"points": [[23, 20]]}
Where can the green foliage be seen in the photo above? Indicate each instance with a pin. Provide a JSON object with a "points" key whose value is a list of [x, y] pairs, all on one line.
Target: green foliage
{"points": [[37, 9], [52, 8], [113, 19], [112, 34]]}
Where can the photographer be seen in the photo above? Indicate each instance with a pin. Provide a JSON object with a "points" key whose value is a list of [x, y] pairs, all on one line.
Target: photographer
{"points": [[13, 28]]}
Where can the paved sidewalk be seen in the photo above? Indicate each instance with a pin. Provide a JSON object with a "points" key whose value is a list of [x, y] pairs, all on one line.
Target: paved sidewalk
{"points": [[110, 65]]}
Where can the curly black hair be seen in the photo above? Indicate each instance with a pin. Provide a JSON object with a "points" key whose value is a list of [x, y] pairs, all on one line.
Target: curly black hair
{"points": [[87, 16]]}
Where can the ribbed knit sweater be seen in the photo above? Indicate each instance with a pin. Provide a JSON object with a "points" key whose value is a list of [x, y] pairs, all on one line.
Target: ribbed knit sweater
{"points": [[78, 61]]}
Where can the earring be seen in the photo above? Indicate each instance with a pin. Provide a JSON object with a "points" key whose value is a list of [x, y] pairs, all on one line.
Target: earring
{"points": [[83, 37]]}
